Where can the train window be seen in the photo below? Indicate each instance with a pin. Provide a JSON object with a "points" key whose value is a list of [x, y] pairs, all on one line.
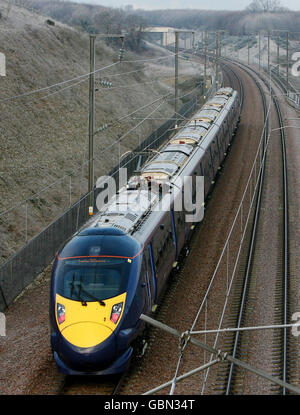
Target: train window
{"points": [[92, 279]]}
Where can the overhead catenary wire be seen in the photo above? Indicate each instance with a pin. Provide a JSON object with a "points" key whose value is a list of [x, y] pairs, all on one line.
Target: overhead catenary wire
{"points": [[143, 119], [250, 328], [46, 96], [138, 109], [35, 91], [158, 138], [122, 74], [65, 175], [87, 161], [147, 105], [85, 80], [81, 80], [76, 170], [131, 130], [136, 84]]}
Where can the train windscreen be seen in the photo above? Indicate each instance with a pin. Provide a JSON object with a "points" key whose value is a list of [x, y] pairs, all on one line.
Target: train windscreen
{"points": [[92, 279]]}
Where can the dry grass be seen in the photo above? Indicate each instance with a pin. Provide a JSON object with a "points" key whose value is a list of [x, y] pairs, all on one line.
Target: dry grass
{"points": [[43, 139]]}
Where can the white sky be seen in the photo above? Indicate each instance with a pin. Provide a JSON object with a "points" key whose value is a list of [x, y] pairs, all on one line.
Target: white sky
{"points": [[183, 4]]}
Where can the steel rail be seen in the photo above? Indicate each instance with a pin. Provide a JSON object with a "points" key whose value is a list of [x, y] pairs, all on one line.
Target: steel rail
{"points": [[251, 252], [285, 280]]}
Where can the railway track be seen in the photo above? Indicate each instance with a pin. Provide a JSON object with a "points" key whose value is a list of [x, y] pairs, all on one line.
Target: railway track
{"points": [[109, 385], [281, 341], [230, 380], [114, 386]]}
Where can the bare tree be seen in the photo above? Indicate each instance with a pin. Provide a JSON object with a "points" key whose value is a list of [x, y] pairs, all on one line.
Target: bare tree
{"points": [[265, 6], [8, 8]]}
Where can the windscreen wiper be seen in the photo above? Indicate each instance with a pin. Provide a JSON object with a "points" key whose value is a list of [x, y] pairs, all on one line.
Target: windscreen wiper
{"points": [[83, 302], [74, 288], [80, 288], [101, 302]]}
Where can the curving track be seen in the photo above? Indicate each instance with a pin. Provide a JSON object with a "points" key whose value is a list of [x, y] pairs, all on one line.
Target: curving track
{"points": [[187, 288], [202, 257], [232, 379]]}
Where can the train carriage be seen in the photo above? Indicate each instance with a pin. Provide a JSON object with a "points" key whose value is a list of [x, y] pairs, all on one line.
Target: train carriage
{"points": [[116, 267]]}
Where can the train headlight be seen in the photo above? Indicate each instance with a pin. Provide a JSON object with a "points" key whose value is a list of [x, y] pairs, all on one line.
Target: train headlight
{"points": [[116, 312], [61, 313]]}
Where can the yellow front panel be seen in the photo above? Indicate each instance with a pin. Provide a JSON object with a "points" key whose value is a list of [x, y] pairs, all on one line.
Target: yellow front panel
{"points": [[86, 334], [86, 326]]}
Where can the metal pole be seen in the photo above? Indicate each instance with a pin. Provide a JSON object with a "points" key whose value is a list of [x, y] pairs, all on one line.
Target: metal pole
{"points": [[91, 122], [287, 62], [278, 40], [176, 76], [205, 59], [26, 221], [253, 328], [248, 49], [259, 50], [70, 194], [216, 58], [268, 52], [182, 377], [216, 47], [218, 55], [220, 354]]}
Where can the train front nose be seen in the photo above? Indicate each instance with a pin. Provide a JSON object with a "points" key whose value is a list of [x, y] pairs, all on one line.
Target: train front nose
{"points": [[86, 339], [87, 351]]}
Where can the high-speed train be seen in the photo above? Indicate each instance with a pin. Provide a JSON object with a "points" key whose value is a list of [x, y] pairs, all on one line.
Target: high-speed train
{"points": [[116, 267]]}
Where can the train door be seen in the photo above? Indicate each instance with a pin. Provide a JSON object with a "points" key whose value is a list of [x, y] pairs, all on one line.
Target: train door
{"points": [[146, 283], [227, 135], [174, 234], [207, 172], [152, 276], [212, 161], [164, 251], [215, 152], [178, 221], [218, 141], [184, 225]]}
